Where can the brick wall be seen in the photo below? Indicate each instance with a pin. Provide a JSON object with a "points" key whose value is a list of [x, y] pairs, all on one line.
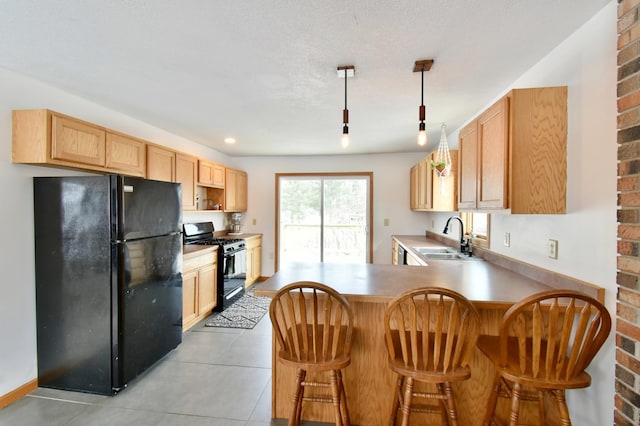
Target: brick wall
{"points": [[627, 397]]}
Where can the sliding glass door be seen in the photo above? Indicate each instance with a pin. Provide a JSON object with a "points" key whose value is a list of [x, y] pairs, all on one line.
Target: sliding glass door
{"points": [[323, 218]]}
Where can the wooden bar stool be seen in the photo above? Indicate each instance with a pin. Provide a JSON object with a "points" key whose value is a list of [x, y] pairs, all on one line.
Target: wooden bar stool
{"points": [[545, 343], [313, 325], [430, 336]]}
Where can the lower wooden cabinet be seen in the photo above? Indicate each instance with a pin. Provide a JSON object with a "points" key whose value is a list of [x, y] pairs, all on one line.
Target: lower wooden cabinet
{"points": [[199, 285], [254, 259]]}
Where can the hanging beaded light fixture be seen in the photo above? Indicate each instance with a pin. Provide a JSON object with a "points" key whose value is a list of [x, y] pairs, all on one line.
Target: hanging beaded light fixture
{"points": [[442, 162]]}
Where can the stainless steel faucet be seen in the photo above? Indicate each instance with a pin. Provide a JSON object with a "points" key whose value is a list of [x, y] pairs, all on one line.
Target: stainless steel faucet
{"points": [[465, 242]]}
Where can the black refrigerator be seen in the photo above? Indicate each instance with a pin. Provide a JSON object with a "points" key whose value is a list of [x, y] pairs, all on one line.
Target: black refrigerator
{"points": [[108, 256]]}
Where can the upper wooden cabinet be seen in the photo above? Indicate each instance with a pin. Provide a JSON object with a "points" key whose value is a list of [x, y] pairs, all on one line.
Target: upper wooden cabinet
{"points": [[235, 190], [126, 154], [468, 166], [514, 155], [210, 174], [76, 141], [187, 175], [161, 164], [428, 191], [46, 137], [444, 193]]}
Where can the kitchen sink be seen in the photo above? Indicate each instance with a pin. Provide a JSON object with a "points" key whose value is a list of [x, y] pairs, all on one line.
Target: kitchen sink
{"points": [[442, 253], [425, 251]]}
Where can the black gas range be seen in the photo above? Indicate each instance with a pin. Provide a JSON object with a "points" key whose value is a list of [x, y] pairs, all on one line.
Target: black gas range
{"points": [[232, 261]]}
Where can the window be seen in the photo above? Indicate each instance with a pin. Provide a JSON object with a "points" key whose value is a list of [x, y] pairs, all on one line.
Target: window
{"points": [[477, 225]]}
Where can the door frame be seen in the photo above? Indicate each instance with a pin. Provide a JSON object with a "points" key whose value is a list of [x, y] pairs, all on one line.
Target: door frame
{"points": [[368, 175]]}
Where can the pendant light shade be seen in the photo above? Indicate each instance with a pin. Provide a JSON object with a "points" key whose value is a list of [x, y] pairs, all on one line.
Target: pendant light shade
{"points": [[345, 72], [422, 66]]}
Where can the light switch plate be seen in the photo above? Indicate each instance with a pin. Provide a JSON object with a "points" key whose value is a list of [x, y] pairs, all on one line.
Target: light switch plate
{"points": [[553, 249]]}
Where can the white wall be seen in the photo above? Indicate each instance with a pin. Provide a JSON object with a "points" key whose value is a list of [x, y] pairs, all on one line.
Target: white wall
{"points": [[17, 286], [586, 63]]}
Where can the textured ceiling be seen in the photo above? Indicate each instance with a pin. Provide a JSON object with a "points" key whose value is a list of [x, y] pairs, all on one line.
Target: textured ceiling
{"points": [[264, 71]]}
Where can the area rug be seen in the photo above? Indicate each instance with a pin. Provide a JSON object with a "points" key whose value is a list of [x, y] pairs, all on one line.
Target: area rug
{"points": [[243, 313]]}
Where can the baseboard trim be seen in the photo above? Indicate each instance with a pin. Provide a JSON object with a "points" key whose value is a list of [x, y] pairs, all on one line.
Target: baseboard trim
{"points": [[18, 393]]}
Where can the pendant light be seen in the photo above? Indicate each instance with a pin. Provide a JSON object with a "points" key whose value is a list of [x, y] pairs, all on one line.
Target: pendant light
{"points": [[422, 66], [345, 71]]}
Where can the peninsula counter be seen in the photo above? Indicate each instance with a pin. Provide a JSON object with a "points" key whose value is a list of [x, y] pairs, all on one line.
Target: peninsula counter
{"points": [[369, 382]]}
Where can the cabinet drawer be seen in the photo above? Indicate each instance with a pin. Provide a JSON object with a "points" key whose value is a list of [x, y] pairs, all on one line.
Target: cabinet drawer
{"points": [[199, 261]]}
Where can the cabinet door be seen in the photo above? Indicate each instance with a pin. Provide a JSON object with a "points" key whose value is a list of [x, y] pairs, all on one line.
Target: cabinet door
{"points": [[424, 185], [445, 190], [161, 164], [189, 298], [468, 166], [241, 191], [77, 142], [493, 138], [230, 188], [257, 263], [414, 188], [126, 154], [210, 174], [254, 260], [218, 174], [250, 272], [206, 289], [187, 174]]}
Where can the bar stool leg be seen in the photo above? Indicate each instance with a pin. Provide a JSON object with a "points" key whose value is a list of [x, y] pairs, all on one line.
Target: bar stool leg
{"points": [[406, 401], [515, 404], [396, 401], [294, 418], [451, 404], [344, 408], [335, 396], [541, 411], [493, 400], [559, 394]]}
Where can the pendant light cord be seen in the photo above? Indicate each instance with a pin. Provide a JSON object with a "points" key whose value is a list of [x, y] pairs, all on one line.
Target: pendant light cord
{"points": [[422, 87], [345, 88]]}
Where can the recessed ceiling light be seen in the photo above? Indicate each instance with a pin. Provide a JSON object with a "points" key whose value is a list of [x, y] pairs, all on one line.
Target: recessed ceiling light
{"points": [[229, 140]]}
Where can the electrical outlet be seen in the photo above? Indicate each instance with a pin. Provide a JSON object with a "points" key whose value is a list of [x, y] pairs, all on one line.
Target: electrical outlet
{"points": [[253, 222], [507, 239], [433, 223], [553, 249], [386, 221]]}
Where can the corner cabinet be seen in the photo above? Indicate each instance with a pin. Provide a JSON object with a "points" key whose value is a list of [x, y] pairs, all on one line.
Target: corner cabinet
{"points": [[430, 192], [199, 284], [254, 259]]}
